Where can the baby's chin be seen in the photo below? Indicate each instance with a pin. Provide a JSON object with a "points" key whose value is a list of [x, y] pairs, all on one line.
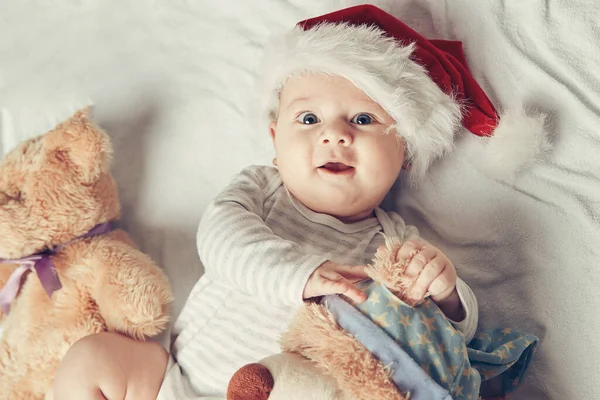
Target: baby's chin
{"points": [[344, 211], [356, 217], [346, 203]]}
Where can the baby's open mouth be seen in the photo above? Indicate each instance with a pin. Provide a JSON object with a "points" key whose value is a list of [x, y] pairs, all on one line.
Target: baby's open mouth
{"points": [[336, 167]]}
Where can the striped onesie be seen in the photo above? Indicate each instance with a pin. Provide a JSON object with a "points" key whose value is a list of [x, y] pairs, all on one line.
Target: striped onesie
{"points": [[259, 246]]}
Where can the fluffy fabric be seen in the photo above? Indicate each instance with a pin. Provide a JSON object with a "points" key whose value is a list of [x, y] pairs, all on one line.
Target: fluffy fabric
{"points": [[519, 141], [53, 189], [424, 85]]}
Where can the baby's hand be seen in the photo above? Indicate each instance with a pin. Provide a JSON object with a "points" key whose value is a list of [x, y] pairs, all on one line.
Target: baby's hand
{"points": [[333, 278], [433, 271]]}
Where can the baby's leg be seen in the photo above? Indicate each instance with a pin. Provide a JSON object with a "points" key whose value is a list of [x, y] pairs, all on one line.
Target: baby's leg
{"points": [[110, 366]]}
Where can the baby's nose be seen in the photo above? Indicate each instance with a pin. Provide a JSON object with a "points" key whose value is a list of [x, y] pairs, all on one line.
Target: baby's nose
{"points": [[337, 135]]}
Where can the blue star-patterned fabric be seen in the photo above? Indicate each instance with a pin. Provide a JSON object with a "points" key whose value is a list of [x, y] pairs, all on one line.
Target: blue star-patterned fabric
{"points": [[416, 340]]}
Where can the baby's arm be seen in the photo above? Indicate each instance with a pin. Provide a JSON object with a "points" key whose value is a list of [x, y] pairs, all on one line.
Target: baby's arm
{"points": [[237, 247], [462, 292]]}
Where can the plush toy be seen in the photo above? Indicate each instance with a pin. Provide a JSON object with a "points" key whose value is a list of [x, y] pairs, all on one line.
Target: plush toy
{"points": [[390, 347], [65, 272]]}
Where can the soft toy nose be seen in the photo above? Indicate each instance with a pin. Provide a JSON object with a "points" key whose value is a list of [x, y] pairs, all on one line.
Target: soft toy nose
{"points": [[251, 382]]}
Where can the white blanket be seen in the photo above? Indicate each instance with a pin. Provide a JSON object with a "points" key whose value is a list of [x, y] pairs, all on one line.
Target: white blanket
{"points": [[171, 81]]}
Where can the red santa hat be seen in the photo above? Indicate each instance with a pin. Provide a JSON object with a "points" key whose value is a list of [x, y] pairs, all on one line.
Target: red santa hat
{"points": [[423, 84]]}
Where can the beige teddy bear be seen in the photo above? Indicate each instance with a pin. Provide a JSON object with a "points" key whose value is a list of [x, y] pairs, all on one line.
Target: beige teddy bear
{"points": [[64, 271]]}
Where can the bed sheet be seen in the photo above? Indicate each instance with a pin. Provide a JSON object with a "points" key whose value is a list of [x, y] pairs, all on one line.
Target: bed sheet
{"points": [[171, 83]]}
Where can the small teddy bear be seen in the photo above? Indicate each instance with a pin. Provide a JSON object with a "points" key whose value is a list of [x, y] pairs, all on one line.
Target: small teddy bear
{"points": [[65, 271], [389, 347]]}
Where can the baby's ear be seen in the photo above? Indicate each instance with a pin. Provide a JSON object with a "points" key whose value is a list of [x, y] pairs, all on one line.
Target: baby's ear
{"points": [[78, 143], [273, 129]]}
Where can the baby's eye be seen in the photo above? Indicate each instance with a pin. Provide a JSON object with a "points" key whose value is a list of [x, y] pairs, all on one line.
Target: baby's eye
{"points": [[362, 119], [307, 118]]}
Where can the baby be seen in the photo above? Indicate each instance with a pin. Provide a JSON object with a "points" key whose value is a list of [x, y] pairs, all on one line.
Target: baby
{"points": [[276, 237], [348, 110]]}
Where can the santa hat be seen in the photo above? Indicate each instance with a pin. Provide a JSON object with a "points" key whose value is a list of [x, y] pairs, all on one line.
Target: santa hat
{"points": [[423, 84]]}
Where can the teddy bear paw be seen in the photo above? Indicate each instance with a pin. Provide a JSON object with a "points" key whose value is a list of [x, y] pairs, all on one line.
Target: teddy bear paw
{"points": [[147, 327], [143, 316]]}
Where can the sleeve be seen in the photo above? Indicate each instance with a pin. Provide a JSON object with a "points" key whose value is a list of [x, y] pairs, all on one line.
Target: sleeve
{"points": [[237, 247], [403, 231], [411, 232], [468, 325]]}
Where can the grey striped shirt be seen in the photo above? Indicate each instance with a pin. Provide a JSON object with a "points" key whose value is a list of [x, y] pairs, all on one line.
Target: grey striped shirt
{"points": [[259, 246]]}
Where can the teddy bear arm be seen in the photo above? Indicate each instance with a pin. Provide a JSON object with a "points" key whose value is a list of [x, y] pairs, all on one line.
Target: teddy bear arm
{"points": [[131, 291]]}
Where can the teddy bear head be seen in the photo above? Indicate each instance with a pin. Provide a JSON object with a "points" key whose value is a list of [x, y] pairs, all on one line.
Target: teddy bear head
{"points": [[56, 187]]}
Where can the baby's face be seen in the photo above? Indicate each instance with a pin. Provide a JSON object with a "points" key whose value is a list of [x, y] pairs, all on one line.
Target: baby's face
{"points": [[333, 152]]}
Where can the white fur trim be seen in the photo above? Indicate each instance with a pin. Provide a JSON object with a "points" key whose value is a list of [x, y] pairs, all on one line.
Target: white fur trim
{"points": [[426, 117], [518, 141]]}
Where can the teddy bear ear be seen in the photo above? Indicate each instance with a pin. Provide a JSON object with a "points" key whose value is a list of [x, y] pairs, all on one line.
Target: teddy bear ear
{"points": [[80, 143]]}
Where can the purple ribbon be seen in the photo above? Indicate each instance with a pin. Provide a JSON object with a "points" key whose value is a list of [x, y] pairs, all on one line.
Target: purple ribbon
{"points": [[43, 266]]}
